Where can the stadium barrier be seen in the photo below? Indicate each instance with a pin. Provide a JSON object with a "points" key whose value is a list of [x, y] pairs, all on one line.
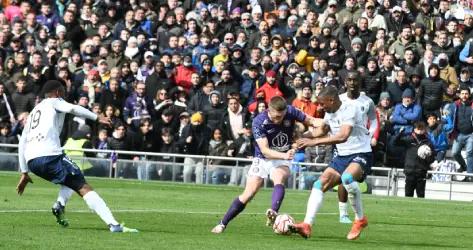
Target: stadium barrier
{"points": [[232, 171]]}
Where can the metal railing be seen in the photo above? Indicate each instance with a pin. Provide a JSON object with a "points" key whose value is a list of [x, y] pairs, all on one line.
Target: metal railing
{"points": [[121, 165]]}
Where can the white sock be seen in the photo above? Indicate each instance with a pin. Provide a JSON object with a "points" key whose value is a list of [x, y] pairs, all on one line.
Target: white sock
{"points": [[343, 208], [64, 194], [313, 205], [354, 196], [97, 204]]}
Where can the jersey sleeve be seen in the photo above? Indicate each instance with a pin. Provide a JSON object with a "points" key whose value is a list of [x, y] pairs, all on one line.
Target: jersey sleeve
{"points": [[65, 107], [296, 113], [258, 130], [21, 152]]}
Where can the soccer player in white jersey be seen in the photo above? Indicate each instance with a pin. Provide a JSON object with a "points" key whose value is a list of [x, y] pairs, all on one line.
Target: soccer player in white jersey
{"points": [[344, 127], [39, 151], [367, 108]]}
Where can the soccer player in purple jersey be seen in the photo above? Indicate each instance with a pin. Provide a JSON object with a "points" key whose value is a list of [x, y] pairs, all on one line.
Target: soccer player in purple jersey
{"points": [[273, 130]]}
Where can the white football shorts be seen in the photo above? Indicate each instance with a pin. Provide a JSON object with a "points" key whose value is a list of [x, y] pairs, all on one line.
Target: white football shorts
{"points": [[263, 167]]}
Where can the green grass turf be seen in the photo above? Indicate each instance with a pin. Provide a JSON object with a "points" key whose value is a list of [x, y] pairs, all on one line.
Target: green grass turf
{"points": [[178, 216]]}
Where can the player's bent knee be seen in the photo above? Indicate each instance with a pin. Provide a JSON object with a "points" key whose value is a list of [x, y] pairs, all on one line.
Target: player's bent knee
{"points": [[347, 178]]}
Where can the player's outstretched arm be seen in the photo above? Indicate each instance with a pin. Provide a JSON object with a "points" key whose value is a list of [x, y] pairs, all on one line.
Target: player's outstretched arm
{"points": [[65, 107]]}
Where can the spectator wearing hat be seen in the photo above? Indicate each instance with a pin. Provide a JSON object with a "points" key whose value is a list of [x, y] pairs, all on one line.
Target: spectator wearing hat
{"points": [[406, 113], [331, 9], [233, 119], [373, 81], [357, 52], [147, 67], [213, 112], [396, 19], [132, 52], [116, 58], [194, 141], [290, 27], [468, 26], [270, 87], [237, 58], [426, 16], [431, 91], [465, 79], [375, 20], [92, 85]]}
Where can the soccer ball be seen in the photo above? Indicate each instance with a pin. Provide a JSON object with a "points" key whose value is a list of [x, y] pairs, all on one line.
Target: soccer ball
{"points": [[424, 151], [282, 223]]}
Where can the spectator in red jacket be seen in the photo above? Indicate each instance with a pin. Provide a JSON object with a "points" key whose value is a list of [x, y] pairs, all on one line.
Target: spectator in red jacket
{"points": [[183, 73], [271, 87]]}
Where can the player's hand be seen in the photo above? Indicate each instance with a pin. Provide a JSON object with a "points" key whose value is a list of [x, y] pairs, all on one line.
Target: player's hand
{"points": [[105, 120], [306, 142], [24, 179], [290, 154], [189, 139]]}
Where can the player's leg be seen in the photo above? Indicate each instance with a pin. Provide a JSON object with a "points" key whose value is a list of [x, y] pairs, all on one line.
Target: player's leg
{"points": [[410, 185], [279, 176], [329, 178], [253, 184], [58, 208], [350, 180], [420, 185], [343, 205], [75, 180]]}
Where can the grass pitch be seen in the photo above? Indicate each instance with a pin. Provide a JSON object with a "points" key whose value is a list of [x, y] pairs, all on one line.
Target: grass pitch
{"points": [[178, 216]]}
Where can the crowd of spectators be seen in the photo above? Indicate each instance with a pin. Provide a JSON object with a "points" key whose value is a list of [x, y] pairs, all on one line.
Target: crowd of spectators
{"points": [[189, 76]]}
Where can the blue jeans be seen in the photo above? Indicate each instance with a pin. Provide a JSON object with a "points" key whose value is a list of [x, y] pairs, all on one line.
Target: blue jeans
{"points": [[464, 140]]}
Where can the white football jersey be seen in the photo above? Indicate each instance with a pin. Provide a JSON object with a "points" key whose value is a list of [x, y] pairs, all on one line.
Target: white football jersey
{"points": [[43, 126], [366, 107], [359, 139]]}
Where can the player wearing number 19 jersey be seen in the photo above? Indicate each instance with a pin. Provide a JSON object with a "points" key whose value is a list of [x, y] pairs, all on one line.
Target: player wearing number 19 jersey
{"points": [[39, 151]]}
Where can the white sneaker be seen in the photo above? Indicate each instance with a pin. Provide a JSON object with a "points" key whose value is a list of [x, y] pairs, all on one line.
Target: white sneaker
{"points": [[218, 229], [271, 215]]}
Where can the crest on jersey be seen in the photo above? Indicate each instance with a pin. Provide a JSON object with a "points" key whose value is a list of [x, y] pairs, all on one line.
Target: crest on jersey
{"points": [[280, 141], [287, 123]]}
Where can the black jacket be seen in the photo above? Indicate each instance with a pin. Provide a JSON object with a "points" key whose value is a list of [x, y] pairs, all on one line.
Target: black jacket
{"points": [[414, 164], [373, 84], [226, 126], [200, 140], [431, 93]]}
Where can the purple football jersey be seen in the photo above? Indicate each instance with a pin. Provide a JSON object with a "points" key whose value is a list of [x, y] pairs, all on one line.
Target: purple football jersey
{"points": [[279, 135]]}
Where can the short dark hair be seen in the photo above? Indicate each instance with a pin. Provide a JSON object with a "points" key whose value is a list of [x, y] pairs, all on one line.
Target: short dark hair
{"points": [[420, 125], [52, 85], [329, 91], [278, 103]]}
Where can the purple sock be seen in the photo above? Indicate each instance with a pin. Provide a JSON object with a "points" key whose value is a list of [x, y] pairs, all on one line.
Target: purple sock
{"points": [[278, 196], [235, 209]]}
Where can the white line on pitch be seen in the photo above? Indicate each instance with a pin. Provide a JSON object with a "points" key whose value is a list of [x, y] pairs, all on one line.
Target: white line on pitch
{"points": [[140, 211]]}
